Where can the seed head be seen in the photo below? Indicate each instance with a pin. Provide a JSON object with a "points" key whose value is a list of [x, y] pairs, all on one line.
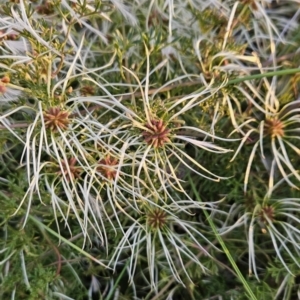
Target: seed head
{"points": [[267, 213], [3, 88], [157, 218], [3, 82], [74, 171], [157, 133], [107, 167], [275, 128], [45, 9], [56, 118], [5, 79], [87, 90]]}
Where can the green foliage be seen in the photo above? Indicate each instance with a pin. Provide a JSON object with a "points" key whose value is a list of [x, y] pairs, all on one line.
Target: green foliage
{"points": [[149, 149]]}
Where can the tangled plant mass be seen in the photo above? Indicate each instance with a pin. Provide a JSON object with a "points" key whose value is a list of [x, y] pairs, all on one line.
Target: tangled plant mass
{"points": [[149, 142]]}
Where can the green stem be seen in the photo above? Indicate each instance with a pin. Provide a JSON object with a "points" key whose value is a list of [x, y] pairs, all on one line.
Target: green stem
{"points": [[44, 227], [225, 249], [262, 75], [117, 281]]}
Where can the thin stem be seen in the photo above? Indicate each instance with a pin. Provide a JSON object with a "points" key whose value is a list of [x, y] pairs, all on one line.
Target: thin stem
{"points": [[225, 249], [43, 226], [263, 75], [110, 294]]}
